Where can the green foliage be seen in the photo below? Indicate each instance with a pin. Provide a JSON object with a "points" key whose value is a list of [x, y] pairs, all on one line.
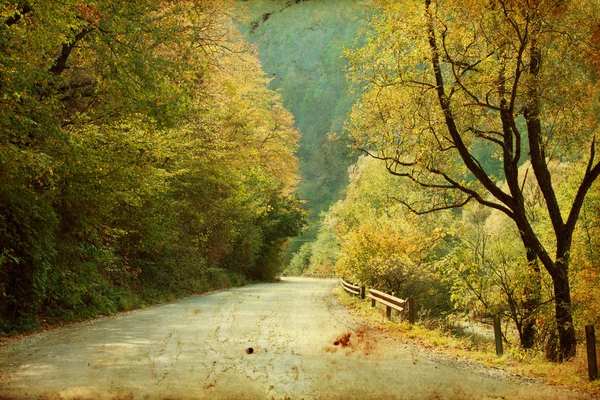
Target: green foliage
{"points": [[325, 250], [142, 158], [487, 268], [457, 97], [300, 46], [488, 271], [384, 246], [301, 260]]}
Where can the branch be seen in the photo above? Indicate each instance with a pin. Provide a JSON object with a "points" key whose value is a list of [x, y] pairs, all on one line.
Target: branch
{"points": [[486, 135], [433, 209], [452, 184], [61, 62], [524, 180], [475, 195], [394, 160], [25, 9], [466, 156], [538, 157], [591, 174]]}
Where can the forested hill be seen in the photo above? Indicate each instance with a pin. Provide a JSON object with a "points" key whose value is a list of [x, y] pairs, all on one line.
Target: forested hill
{"points": [[300, 46]]}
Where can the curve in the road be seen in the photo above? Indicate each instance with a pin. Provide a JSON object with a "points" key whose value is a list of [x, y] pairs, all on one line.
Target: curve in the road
{"points": [[285, 340]]}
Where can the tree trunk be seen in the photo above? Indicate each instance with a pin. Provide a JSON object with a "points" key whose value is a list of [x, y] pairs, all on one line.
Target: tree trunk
{"points": [[528, 330], [564, 318], [532, 301]]}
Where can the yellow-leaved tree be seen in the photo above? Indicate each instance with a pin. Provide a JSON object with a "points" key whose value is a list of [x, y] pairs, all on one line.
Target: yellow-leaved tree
{"points": [[457, 95]]}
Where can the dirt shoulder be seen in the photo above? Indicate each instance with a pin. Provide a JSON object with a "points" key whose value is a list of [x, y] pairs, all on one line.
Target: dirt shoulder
{"points": [[567, 378]]}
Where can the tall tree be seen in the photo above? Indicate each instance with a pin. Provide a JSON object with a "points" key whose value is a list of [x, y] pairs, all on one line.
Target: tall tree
{"points": [[449, 81]]}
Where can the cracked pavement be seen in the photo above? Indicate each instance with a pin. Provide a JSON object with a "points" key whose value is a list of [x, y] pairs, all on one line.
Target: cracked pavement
{"points": [[287, 340]]}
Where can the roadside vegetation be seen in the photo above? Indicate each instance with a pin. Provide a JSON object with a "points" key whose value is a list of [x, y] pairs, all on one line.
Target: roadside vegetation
{"points": [[477, 191], [142, 158], [451, 341]]}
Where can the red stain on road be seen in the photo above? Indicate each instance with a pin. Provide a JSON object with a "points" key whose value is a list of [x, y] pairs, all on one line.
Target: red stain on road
{"points": [[343, 340]]}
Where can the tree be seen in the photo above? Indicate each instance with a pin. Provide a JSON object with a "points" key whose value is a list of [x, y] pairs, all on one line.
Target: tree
{"points": [[488, 272], [383, 245], [142, 157], [445, 79]]}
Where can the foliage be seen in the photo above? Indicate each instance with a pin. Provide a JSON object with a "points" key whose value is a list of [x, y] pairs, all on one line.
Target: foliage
{"points": [[325, 250], [300, 46], [142, 158], [488, 271], [445, 84], [385, 247], [300, 262]]}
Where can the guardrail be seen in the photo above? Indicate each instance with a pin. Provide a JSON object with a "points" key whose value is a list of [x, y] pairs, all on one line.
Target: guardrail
{"points": [[393, 302], [390, 301], [321, 276], [350, 288]]}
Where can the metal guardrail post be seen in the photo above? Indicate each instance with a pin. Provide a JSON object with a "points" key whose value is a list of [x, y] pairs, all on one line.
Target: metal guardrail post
{"points": [[590, 341]]}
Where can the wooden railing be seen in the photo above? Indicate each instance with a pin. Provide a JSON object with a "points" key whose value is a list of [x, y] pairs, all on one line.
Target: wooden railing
{"points": [[321, 276], [390, 301], [393, 302], [350, 288]]}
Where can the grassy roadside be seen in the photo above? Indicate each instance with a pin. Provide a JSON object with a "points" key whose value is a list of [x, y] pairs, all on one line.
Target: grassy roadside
{"points": [[572, 374]]}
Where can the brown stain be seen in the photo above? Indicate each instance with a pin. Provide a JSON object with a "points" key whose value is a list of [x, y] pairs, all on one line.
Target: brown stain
{"points": [[343, 340], [365, 341]]}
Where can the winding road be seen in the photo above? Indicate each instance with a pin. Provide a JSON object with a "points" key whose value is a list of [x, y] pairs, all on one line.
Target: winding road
{"points": [[287, 340]]}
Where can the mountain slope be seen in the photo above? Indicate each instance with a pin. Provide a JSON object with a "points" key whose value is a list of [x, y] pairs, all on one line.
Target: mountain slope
{"points": [[300, 46]]}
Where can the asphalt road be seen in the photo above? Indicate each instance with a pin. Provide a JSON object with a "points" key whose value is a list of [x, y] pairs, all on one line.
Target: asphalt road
{"points": [[287, 340]]}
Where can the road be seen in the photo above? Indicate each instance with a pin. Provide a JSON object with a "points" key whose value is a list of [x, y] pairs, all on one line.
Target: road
{"points": [[287, 340]]}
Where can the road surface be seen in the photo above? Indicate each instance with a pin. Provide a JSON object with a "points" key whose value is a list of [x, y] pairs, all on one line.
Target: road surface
{"points": [[287, 340]]}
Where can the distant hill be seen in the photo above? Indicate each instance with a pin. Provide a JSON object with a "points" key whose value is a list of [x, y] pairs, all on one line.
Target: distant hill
{"points": [[300, 44]]}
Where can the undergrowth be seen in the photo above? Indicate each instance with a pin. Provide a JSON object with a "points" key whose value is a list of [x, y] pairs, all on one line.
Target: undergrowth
{"points": [[120, 300]]}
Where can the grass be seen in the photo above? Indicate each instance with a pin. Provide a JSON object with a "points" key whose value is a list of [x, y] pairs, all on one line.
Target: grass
{"points": [[458, 344]]}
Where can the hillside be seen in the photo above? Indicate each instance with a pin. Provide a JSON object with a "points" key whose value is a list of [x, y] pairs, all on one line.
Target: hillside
{"points": [[300, 46]]}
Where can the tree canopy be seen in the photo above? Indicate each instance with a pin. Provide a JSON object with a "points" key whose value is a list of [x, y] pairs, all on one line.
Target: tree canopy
{"points": [[448, 83], [142, 157]]}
